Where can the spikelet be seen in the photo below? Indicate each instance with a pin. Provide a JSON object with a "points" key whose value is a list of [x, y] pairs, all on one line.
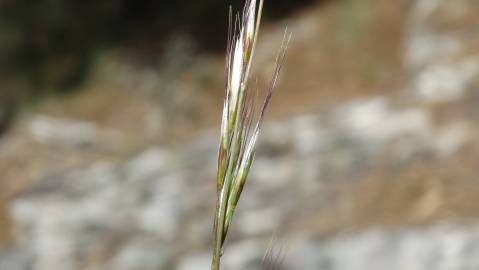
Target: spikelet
{"points": [[239, 125]]}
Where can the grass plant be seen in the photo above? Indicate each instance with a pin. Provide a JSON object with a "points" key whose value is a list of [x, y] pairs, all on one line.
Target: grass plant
{"points": [[241, 121]]}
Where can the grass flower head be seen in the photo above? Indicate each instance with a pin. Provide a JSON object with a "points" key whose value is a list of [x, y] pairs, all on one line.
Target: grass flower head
{"points": [[240, 122]]}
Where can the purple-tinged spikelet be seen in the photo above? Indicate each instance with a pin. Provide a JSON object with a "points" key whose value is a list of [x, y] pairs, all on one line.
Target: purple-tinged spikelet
{"points": [[239, 125]]}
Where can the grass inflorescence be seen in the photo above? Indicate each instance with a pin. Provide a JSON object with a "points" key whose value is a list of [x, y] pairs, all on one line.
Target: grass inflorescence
{"points": [[240, 125]]}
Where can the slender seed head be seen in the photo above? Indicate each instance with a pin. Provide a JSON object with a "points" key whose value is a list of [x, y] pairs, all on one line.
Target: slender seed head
{"points": [[236, 74], [239, 125]]}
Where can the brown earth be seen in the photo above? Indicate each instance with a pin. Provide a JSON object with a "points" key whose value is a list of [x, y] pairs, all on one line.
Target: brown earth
{"points": [[5, 225], [350, 50], [422, 192]]}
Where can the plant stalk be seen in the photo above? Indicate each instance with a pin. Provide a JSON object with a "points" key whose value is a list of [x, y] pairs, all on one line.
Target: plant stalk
{"points": [[219, 226]]}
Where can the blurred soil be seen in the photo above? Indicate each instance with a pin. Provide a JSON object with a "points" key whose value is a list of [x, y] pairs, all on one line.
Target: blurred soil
{"points": [[341, 51], [356, 52], [5, 225], [388, 195]]}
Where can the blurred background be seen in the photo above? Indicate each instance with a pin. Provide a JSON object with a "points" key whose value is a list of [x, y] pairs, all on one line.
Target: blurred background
{"points": [[109, 122]]}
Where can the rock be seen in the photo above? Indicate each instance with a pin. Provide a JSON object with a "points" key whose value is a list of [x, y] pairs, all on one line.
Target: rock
{"points": [[438, 49], [429, 43], [260, 221], [440, 247], [196, 261], [66, 132], [246, 254], [139, 253], [446, 81], [161, 191], [99, 201]]}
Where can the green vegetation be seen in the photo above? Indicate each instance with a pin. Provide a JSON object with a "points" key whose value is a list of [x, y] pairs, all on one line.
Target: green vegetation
{"points": [[240, 127]]}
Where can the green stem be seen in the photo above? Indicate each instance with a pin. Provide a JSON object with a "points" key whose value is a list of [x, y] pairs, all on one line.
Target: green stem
{"points": [[220, 222], [215, 265]]}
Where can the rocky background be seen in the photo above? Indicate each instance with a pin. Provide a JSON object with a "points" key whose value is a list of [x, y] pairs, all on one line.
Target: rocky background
{"points": [[368, 160]]}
